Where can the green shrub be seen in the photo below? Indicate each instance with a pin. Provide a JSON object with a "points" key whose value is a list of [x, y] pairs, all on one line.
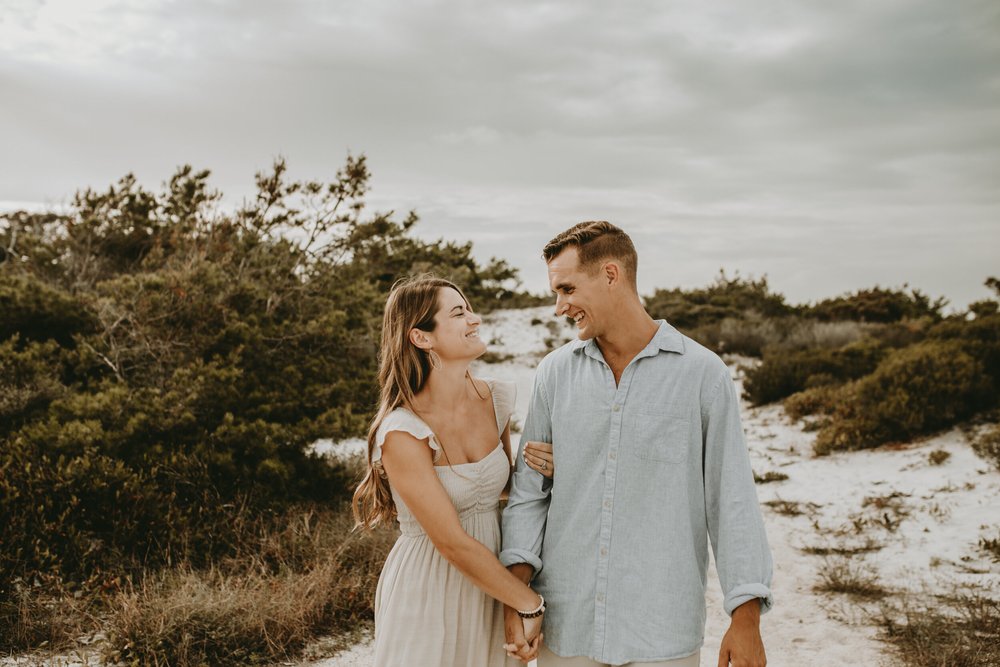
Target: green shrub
{"points": [[979, 337], [785, 372], [30, 379], [819, 400], [724, 298], [987, 445], [916, 390], [878, 305], [35, 310], [165, 364]]}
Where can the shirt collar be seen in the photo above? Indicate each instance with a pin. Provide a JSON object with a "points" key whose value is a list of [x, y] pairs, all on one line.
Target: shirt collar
{"points": [[666, 338]]}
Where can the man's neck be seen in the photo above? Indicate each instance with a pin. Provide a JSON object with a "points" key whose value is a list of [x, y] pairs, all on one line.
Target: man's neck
{"points": [[633, 330]]}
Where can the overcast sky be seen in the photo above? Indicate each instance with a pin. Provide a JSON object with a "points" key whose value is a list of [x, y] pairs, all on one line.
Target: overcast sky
{"points": [[829, 145]]}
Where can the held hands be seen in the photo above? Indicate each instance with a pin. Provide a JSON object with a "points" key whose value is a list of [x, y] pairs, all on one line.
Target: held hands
{"points": [[524, 635], [538, 456]]}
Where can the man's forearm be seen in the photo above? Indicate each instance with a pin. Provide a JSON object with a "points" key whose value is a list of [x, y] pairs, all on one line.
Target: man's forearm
{"points": [[522, 571]]}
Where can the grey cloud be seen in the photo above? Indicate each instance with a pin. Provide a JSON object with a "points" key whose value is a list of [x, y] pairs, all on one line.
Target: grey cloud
{"points": [[850, 122]]}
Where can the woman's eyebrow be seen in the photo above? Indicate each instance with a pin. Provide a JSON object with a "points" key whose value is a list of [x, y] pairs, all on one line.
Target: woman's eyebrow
{"points": [[454, 307]]}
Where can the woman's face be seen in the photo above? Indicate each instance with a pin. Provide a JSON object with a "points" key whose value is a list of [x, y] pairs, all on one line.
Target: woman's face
{"points": [[456, 328]]}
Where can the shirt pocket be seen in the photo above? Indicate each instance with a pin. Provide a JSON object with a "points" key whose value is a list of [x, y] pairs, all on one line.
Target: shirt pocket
{"points": [[660, 434]]}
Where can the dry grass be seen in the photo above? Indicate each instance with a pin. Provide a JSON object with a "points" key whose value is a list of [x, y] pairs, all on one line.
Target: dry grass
{"points": [[314, 577], [785, 507], [868, 546], [987, 445], [46, 616], [938, 456], [959, 630], [827, 335], [769, 476], [851, 577], [991, 547]]}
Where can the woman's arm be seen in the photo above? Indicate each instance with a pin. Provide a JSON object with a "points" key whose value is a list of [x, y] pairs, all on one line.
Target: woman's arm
{"points": [[410, 469]]}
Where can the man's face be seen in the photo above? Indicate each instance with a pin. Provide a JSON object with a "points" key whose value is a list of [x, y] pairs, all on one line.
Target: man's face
{"points": [[584, 298]]}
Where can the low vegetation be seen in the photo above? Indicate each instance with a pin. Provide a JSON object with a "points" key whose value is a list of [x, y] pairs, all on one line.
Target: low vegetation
{"points": [[164, 366], [851, 577], [315, 576], [961, 629], [938, 457], [770, 476], [987, 445]]}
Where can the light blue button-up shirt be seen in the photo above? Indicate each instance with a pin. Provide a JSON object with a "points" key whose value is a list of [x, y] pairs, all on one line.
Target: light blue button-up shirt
{"points": [[646, 473]]}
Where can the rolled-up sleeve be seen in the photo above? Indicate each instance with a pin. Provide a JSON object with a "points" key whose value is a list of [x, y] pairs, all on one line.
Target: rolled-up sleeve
{"points": [[735, 524], [527, 507]]}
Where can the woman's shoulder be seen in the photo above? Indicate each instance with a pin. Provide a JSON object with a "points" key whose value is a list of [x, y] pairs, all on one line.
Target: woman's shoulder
{"points": [[504, 394], [402, 419], [497, 387]]}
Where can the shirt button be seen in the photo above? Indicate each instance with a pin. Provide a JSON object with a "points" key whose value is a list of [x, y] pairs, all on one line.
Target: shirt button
{"points": [[612, 456], [607, 503], [600, 597], [617, 408], [604, 552]]}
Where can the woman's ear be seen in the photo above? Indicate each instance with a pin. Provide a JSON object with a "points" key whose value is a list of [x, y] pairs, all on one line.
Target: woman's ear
{"points": [[419, 339]]}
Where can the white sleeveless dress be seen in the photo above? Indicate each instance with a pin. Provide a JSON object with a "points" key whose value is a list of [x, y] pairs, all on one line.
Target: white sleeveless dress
{"points": [[426, 611]]}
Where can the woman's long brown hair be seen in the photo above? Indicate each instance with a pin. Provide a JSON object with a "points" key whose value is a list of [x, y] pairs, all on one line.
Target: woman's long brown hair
{"points": [[403, 371]]}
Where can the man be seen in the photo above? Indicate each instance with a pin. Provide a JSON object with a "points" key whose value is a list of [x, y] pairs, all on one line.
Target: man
{"points": [[652, 465]]}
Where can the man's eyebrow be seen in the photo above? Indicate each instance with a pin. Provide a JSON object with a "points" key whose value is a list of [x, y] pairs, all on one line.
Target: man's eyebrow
{"points": [[562, 286]]}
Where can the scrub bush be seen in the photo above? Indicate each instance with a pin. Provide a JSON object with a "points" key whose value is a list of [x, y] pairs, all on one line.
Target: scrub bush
{"points": [[916, 390], [165, 366], [785, 372]]}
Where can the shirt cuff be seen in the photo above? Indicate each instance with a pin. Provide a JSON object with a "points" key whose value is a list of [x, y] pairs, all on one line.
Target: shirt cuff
{"points": [[510, 557], [745, 593]]}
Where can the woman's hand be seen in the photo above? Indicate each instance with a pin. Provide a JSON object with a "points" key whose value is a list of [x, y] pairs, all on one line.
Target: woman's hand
{"points": [[538, 455]]}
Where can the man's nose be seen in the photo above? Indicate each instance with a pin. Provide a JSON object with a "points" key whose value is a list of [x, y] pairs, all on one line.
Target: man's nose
{"points": [[560, 305]]}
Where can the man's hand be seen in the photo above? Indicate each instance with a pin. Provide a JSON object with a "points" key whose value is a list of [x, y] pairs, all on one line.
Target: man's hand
{"points": [[522, 643], [742, 645], [533, 634]]}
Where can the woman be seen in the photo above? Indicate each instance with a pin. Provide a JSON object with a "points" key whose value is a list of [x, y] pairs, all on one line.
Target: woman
{"points": [[438, 460]]}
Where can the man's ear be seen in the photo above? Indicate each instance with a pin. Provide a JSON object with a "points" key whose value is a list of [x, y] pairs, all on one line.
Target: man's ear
{"points": [[419, 338], [612, 273]]}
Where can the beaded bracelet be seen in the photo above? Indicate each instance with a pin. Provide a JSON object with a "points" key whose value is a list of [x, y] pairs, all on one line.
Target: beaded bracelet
{"points": [[536, 612]]}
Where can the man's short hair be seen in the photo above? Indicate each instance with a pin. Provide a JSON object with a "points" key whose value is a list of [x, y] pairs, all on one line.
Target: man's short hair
{"points": [[596, 241]]}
